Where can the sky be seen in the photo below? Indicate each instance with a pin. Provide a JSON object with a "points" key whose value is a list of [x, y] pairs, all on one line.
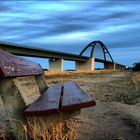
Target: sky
{"points": [[69, 26]]}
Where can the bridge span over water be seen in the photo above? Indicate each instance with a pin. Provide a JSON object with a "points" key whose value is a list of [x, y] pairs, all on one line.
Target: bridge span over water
{"points": [[56, 58]]}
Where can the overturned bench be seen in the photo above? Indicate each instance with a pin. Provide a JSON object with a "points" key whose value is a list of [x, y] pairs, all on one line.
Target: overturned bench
{"points": [[25, 93]]}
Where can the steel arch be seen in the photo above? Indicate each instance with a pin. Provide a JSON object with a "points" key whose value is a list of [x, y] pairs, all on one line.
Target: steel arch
{"points": [[92, 45]]}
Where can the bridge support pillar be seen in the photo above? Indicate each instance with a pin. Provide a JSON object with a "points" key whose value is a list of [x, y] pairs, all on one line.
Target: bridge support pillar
{"points": [[114, 66], [56, 64], [110, 65], [88, 65], [119, 67]]}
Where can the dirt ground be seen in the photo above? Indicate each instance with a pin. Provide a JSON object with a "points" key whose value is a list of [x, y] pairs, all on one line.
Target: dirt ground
{"points": [[117, 113]]}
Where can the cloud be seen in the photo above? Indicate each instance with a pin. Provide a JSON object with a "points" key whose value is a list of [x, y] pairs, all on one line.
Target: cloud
{"points": [[4, 7], [67, 25]]}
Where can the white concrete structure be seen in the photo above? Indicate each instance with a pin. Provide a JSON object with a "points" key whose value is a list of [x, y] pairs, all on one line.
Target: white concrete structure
{"points": [[88, 65], [56, 64]]}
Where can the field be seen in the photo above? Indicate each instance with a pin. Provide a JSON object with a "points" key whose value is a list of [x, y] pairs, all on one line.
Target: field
{"points": [[117, 113]]}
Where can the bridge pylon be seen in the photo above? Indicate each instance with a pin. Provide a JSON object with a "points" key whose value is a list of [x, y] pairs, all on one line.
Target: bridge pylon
{"points": [[92, 45]]}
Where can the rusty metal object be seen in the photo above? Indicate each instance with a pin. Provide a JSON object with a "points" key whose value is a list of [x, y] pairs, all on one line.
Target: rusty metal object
{"points": [[13, 66]]}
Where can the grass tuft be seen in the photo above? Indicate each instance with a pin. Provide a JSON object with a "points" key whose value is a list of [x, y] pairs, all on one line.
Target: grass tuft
{"points": [[40, 130], [127, 98]]}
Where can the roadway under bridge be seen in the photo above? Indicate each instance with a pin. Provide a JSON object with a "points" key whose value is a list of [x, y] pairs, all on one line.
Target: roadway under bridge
{"points": [[56, 58]]}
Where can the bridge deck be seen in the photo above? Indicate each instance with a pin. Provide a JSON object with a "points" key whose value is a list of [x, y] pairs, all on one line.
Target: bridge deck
{"points": [[39, 52], [43, 53]]}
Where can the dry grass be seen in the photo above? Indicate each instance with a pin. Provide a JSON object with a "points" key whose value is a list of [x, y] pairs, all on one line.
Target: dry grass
{"points": [[123, 89], [3, 133], [114, 93], [60, 131], [72, 73], [137, 76], [126, 97], [136, 79], [39, 130], [54, 77]]}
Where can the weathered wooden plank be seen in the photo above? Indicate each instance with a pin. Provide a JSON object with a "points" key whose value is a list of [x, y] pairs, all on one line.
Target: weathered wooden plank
{"points": [[48, 103], [13, 66], [74, 97]]}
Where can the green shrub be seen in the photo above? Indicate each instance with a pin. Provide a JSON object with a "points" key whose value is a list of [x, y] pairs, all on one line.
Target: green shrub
{"points": [[136, 66]]}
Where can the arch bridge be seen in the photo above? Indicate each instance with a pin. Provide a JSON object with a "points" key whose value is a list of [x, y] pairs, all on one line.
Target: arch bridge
{"points": [[56, 58]]}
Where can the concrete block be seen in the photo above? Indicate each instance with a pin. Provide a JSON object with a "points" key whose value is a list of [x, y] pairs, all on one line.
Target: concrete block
{"points": [[56, 64], [109, 66], [88, 65]]}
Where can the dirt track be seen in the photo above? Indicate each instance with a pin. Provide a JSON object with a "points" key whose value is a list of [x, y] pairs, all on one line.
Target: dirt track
{"points": [[117, 113]]}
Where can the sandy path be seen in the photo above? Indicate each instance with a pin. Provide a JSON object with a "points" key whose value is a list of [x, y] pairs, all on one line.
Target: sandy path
{"points": [[109, 121]]}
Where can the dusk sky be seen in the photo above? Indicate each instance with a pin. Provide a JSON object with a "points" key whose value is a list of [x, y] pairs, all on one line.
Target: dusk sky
{"points": [[69, 26]]}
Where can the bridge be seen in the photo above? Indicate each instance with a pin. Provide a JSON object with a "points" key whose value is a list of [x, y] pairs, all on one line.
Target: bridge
{"points": [[56, 58]]}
